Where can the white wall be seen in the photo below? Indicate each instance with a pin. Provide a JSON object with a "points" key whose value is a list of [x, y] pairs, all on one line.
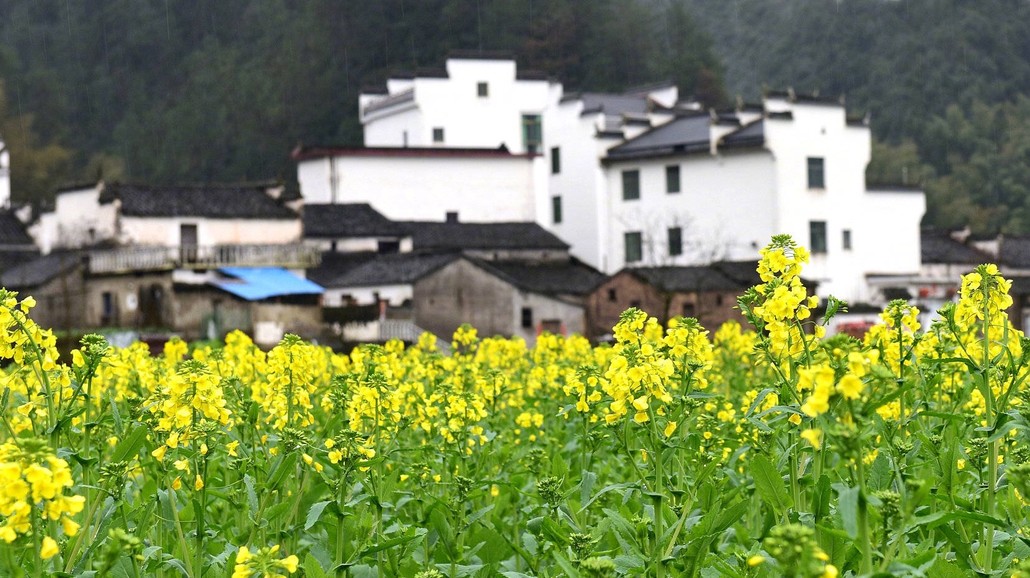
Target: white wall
{"points": [[726, 208], [79, 219], [488, 189], [5, 176], [453, 103], [165, 231]]}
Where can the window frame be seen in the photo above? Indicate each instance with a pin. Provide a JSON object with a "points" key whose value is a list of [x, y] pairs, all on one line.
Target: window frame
{"points": [[527, 318], [675, 233], [555, 160], [846, 239], [556, 209], [637, 243], [438, 134], [482, 89], [673, 184], [631, 177], [532, 132], [817, 173], [817, 231]]}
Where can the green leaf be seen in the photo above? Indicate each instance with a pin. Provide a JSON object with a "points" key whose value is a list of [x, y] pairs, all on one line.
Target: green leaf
{"points": [[130, 444], [312, 569], [252, 499], [413, 534], [586, 486], [281, 471], [847, 506], [314, 513], [770, 485]]}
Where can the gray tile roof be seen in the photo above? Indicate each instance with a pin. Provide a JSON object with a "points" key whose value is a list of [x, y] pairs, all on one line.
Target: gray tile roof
{"points": [[688, 279], [752, 134], [335, 264], [38, 271], [435, 236], [613, 104], [685, 134], [12, 231], [348, 220], [396, 269], [939, 247], [1014, 251], [570, 277], [231, 201]]}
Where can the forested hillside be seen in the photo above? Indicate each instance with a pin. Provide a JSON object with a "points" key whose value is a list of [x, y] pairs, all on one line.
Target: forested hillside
{"points": [[198, 90]]}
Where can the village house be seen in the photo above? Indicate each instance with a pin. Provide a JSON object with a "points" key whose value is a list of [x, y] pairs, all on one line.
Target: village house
{"points": [[706, 292], [196, 260], [638, 178]]}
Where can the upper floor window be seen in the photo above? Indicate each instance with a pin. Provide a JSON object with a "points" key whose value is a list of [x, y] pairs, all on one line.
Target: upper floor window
{"points": [[675, 241], [817, 236], [482, 89], [556, 209], [438, 134], [532, 132], [672, 179], [630, 185], [555, 160], [527, 317], [634, 246], [816, 173], [845, 240]]}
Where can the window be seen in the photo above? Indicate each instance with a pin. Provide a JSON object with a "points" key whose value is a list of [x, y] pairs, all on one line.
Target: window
{"points": [[675, 241], [630, 185], [672, 179], [816, 173], [846, 239], [389, 247], [817, 236], [527, 317], [532, 132], [634, 246], [107, 308], [556, 210], [438, 134], [555, 160], [689, 310], [482, 89], [612, 295]]}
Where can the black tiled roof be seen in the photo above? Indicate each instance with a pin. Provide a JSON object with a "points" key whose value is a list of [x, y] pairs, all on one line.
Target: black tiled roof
{"points": [[12, 231], [234, 201], [571, 277], [1014, 251], [689, 133], [939, 247], [613, 104], [752, 134], [427, 235], [40, 270], [10, 258], [688, 279], [334, 264], [348, 220], [395, 269]]}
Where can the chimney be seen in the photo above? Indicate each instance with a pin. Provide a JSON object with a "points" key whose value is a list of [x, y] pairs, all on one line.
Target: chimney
{"points": [[452, 217]]}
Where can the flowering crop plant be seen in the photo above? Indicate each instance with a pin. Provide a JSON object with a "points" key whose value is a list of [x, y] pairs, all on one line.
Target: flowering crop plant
{"points": [[764, 451]]}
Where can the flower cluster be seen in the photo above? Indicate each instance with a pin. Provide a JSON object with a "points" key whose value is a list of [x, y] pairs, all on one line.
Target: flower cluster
{"points": [[31, 477], [264, 563]]}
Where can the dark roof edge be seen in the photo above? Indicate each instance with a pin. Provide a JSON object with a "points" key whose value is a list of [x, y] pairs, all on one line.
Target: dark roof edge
{"points": [[305, 152]]}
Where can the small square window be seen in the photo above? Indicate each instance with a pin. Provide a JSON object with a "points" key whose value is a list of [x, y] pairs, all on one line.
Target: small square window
{"points": [[846, 239], [482, 89], [689, 310], [556, 210], [555, 160], [675, 241], [817, 236], [672, 179], [634, 246], [630, 185], [612, 295], [438, 134], [527, 317], [816, 173]]}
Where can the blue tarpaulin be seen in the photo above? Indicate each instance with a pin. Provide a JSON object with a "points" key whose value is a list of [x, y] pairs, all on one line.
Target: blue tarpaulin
{"points": [[256, 283]]}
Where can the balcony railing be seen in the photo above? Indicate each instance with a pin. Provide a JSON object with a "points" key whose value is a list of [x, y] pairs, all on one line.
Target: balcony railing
{"points": [[129, 259]]}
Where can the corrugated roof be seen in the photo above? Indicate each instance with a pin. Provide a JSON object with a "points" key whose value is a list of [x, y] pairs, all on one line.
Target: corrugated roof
{"points": [[348, 220], [395, 269], [233, 201], [435, 235], [257, 283]]}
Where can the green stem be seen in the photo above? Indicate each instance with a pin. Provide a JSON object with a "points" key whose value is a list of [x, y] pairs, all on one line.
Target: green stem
{"points": [[864, 539]]}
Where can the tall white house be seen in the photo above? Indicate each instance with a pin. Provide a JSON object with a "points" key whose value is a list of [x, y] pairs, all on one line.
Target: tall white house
{"points": [[628, 179], [5, 176]]}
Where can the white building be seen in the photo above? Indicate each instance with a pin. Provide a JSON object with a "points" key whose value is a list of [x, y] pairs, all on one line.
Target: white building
{"points": [[631, 178], [5, 176]]}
